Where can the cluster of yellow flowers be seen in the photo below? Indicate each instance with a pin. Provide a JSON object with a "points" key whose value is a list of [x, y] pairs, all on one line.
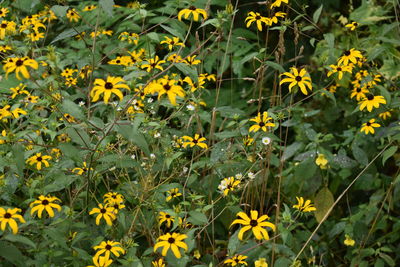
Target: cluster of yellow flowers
{"points": [[112, 203], [266, 21]]}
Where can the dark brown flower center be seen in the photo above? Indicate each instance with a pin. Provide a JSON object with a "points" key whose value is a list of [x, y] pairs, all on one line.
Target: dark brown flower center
{"points": [[171, 240], [39, 158], [7, 215], [370, 97], [4, 25], [358, 90], [339, 69], [368, 124], [355, 24], [192, 8], [253, 223], [103, 211], [261, 124], [108, 247], [168, 216], [118, 61], [195, 141], [258, 17], [19, 62], [347, 53], [108, 85], [298, 78], [45, 202], [167, 87]]}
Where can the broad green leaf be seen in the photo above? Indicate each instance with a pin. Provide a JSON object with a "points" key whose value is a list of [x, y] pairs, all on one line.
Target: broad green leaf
{"points": [[323, 202], [73, 109], [197, 218], [275, 66], [11, 253], [18, 151], [69, 33], [317, 14], [107, 6], [173, 32], [305, 169], [291, 150], [388, 153], [359, 154], [60, 11], [20, 239]]}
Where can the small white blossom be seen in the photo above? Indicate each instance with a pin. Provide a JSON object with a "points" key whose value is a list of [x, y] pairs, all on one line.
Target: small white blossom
{"points": [[150, 100], [157, 135], [222, 186], [81, 103], [239, 176], [185, 169], [153, 156], [251, 175], [112, 169], [190, 107], [266, 140], [133, 156]]}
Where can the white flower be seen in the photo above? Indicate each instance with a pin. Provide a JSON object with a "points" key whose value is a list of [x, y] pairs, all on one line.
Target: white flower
{"points": [[133, 156], [266, 140], [153, 156], [119, 108], [157, 135], [239, 176], [150, 100], [222, 186], [185, 169], [251, 175], [190, 107], [112, 169], [81, 103]]}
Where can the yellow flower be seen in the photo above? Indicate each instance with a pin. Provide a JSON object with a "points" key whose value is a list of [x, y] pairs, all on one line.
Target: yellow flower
{"points": [[228, 184], [171, 241], [19, 90], [35, 36], [371, 102], [108, 247], [369, 126], [236, 260], [31, 99], [165, 217], [5, 48], [321, 161], [255, 223], [304, 206], [108, 87], [384, 115], [352, 25], [166, 86], [350, 56], [159, 263], [175, 58], [173, 193], [104, 212], [247, 141], [68, 72], [359, 93], [153, 63], [10, 217], [191, 60], [262, 122], [122, 61], [73, 15], [38, 159], [194, 141], [339, 69], [83, 170], [130, 37], [295, 77], [278, 3], [172, 42], [3, 12], [19, 65], [256, 17], [45, 203], [194, 11], [261, 262], [89, 8], [274, 18], [101, 261], [68, 118], [6, 27], [349, 241]]}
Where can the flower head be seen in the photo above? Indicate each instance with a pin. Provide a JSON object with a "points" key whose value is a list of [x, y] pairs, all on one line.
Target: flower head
{"points": [[297, 78], [304, 206], [194, 11], [44, 203], [262, 122], [321, 161], [349, 241], [39, 159], [261, 262], [106, 248], [107, 87], [172, 42], [339, 69], [350, 56], [165, 217], [105, 212], [171, 241], [194, 141], [173, 193], [10, 217], [228, 184], [352, 26], [255, 223], [371, 101], [369, 127], [278, 3], [236, 260], [258, 19], [19, 65]]}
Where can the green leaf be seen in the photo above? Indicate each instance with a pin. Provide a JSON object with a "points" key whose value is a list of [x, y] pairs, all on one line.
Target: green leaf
{"points": [[359, 154], [78, 135], [20, 239], [107, 6], [69, 33], [197, 218], [18, 152], [291, 150], [173, 32], [60, 182], [11, 253], [275, 66], [388, 153], [330, 39], [60, 11], [389, 260], [317, 14], [233, 243], [73, 109], [132, 134], [323, 202]]}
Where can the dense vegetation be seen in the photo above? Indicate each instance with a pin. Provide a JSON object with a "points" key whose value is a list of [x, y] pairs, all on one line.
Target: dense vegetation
{"points": [[199, 133]]}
